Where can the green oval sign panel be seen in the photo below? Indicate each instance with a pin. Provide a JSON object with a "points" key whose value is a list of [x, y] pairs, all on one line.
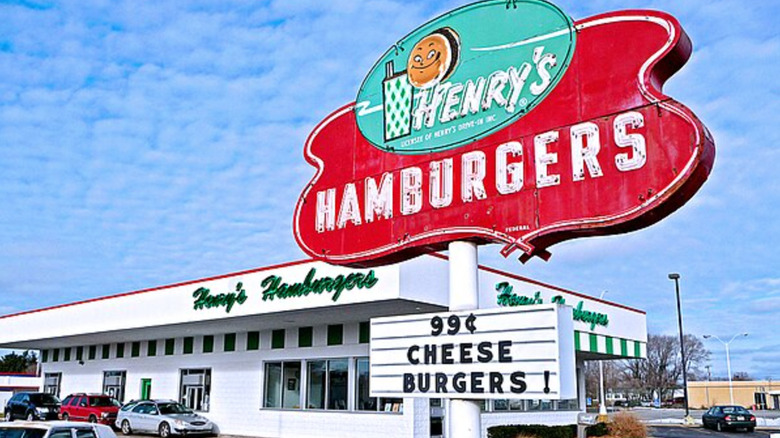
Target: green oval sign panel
{"points": [[464, 75]]}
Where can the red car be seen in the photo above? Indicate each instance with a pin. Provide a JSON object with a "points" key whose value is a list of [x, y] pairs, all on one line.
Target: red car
{"points": [[95, 408]]}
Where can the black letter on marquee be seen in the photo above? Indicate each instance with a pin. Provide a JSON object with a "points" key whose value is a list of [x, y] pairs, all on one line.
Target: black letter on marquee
{"points": [[458, 382], [441, 382], [412, 349], [408, 382], [446, 354], [429, 351], [476, 382], [485, 352], [465, 352], [496, 382], [424, 381], [503, 351], [518, 384]]}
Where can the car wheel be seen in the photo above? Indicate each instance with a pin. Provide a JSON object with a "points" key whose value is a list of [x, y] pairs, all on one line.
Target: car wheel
{"points": [[9, 416], [719, 426], [126, 430], [92, 419], [165, 430], [65, 417], [751, 429], [30, 416]]}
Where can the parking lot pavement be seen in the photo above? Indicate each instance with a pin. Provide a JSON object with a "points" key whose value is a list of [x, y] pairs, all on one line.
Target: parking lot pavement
{"points": [[671, 417], [652, 414], [698, 432]]}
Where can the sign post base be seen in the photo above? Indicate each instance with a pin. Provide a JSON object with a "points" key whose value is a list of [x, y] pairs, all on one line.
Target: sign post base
{"points": [[464, 415]]}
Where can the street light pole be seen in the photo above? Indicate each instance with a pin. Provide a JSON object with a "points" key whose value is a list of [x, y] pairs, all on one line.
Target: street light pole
{"points": [[728, 359], [676, 278], [603, 417], [707, 388]]}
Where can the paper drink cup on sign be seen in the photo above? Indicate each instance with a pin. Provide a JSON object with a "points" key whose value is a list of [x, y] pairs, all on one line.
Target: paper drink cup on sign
{"points": [[397, 102]]}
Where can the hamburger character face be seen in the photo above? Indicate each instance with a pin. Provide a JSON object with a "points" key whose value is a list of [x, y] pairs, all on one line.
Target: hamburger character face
{"points": [[433, 58]]}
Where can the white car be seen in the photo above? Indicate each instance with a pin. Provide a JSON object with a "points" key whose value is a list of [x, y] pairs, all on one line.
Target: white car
{"points": [[54, 429]]}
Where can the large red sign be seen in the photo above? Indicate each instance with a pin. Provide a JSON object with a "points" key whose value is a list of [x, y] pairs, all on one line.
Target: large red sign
{"points": [[604, 152]]}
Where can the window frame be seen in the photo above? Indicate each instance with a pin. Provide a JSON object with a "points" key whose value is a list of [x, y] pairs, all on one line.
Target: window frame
{"points": [[301, 398], [122, 374], [205, 401]]}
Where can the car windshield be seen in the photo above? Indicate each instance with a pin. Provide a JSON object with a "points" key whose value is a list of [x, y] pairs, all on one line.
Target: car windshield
{"points": [[18, 432], [173, 408], [735, 410], [44, 399], [102, 402]]}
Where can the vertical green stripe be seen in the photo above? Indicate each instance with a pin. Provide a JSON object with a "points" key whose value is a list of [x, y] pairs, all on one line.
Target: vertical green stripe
{"points": [[623, 347], [594, 343], [637, 349], [576, 341], [609, 345]]}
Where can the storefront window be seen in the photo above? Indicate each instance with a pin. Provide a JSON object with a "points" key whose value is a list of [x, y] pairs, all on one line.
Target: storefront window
{"points": [[328, 383], [51, 383], [114, 384], [315, 395], [391, 404], [338, 381], [195, 389], [273, 385], [283, 385], [363, 401], [568, 405], [500, 405], [291, 381]]}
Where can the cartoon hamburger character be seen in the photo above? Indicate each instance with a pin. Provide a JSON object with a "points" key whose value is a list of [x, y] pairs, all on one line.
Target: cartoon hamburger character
{"points": [[433, 58]]}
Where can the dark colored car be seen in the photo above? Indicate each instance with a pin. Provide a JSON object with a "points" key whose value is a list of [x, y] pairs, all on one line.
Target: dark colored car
{"points": [[728, 417], [95, 408], [32, 406]]}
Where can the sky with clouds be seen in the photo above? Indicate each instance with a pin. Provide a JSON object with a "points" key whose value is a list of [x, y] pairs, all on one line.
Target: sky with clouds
{"points": [[146, 143]]}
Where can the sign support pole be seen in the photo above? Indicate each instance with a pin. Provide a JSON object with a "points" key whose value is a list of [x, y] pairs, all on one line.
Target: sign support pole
{"points": [[464, 415]]}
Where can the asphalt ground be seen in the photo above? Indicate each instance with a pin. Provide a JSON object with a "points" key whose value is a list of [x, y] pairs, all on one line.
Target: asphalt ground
{"points": [[650, 414], [699, 432]]}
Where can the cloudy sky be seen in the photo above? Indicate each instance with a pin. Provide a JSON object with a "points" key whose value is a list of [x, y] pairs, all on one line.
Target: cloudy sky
{"points": [[146, 143]]}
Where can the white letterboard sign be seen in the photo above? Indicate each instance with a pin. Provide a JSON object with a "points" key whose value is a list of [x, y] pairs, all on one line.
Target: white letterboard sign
{"points": [[520, 353]]}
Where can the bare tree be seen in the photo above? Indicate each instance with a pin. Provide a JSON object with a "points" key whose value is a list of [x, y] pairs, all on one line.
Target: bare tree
{"points": [[662, 371], [613, 377], [696, 355]]}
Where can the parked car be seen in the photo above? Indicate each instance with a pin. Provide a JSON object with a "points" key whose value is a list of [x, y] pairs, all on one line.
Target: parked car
{"points": [[164, 417], [32, 406], [728, 417], [55, 429], [95, 408]]}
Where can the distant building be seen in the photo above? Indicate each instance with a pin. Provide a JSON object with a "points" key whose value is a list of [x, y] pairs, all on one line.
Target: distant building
{"points": [[11, 383], [763, 394]]}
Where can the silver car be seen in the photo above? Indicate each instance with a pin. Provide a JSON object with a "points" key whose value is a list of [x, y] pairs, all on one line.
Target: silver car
{"points": [[163, 417]]}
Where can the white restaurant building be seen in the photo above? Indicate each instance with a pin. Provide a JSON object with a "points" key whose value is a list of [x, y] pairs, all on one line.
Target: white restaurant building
{"points": [[267, 359]]}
